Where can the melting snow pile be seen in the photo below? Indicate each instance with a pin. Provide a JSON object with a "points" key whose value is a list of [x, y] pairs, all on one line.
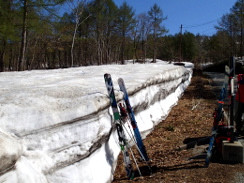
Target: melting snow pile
{"points": [[56, 125]]}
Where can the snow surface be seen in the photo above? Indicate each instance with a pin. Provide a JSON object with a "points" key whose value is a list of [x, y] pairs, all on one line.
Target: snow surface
{"points": [[56, 125]]}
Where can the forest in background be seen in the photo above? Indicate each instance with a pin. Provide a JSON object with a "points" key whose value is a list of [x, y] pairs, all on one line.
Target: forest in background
{"points": [[34, 35]]}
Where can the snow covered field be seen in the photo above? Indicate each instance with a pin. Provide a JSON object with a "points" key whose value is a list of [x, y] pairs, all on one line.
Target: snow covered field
{"points": [[56, 125]]}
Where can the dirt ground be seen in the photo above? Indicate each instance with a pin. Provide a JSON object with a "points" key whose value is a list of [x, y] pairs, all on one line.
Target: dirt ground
{"points": [[192, 117]]}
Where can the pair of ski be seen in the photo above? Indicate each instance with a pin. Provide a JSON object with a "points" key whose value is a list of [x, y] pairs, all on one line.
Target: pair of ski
{"points": [[118, 120], [219, 115]]}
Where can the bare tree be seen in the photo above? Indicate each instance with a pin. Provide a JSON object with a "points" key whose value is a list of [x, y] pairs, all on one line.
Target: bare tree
{"points": [[144, 27], [77, 7]]}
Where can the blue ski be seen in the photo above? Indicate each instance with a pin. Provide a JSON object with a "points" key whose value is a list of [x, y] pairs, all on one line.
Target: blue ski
{"points": [[142, 149]]}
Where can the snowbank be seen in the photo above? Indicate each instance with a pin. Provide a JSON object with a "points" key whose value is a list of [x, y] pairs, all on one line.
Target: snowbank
{"points": [[57, 124]]}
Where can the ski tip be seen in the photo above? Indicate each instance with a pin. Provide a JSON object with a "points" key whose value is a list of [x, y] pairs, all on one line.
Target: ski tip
{"points": [[227, 70], [120, 80], [106, 75]]}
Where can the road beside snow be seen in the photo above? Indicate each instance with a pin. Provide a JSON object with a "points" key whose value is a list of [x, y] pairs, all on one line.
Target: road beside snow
{"points": [[56, 125]]}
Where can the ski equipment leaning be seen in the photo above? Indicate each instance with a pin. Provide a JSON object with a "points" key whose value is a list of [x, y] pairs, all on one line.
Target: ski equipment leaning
{"points": [[142, 149], [118, 123]]}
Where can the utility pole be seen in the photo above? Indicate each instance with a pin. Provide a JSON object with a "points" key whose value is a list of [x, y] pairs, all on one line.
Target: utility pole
{"points": [[181, 42]]}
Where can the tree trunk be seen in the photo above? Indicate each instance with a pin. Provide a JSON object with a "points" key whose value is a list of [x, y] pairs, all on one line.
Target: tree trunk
{"points": [[145, 50], [33, 55], [123, 49], [66, 59], [154, 46], [1, 61], [24, 37], [59, 59], [2, 57], [10, 63], [73, 41]]}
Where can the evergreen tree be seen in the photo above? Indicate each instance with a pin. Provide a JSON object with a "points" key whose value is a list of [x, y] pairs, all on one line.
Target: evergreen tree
{"points": [[156, 17], [189, 47], [8, 31], [104, 15], [125, 24], [232, 23], [27, 6]]}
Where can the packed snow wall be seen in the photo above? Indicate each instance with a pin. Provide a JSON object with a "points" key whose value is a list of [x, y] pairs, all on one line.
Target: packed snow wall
{"points": [[57, 126]]}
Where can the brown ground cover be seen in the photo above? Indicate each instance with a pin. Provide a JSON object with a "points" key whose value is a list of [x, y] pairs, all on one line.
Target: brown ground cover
{"points": [[190, 118]]}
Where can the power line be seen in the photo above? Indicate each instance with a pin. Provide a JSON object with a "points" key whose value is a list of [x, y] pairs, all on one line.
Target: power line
{"points": [[208, 31], [198, 25], [200, 31]]}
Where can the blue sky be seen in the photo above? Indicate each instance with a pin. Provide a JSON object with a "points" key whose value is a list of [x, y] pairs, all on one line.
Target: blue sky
{"points": [[196, 16]]}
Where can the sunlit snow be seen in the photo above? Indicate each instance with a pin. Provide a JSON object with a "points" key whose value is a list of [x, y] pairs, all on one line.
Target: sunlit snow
{"points": [[56, 125]]}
